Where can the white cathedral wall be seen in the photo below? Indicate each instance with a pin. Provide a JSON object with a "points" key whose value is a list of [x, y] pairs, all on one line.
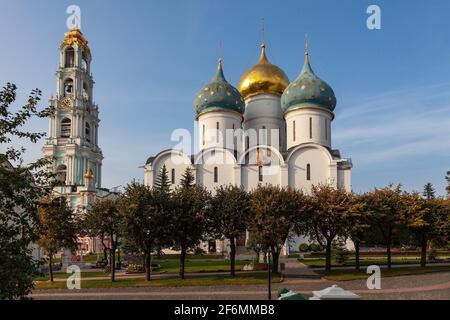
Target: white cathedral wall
{"points": [[207, 128], [298, 126], [210, 159], [173, 161], [320, 163], [264, 111], [345, 179]]}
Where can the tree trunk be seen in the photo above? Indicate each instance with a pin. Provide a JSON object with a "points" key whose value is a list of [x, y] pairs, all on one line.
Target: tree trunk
{"points": [[423, 256], [113, 262], [275, 259], [182, 260], [357, 262], [232, 257], [148, 265], [328, 256], [50, 266], [389, 255]]}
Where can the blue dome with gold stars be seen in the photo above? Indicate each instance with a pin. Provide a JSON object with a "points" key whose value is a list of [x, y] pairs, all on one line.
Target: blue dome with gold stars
{"points": [[218, 95], [308, 90]]}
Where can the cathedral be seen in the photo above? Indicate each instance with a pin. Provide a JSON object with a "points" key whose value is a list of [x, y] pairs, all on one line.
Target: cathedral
{"points": [[268, 130], [72, 142]]}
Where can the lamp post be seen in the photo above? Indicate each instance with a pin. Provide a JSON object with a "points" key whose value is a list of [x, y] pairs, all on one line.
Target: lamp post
{"points": [[269, 251]]}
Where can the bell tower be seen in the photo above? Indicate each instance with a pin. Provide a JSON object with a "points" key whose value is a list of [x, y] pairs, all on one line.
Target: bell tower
{"points": [[73, 128]]}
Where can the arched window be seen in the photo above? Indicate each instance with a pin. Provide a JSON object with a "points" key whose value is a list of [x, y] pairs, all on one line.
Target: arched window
{"points": [[61, 173], [84, 62], [216, 174], [308, 172], [264, 135], [70, 58], [66, 126], [310, 128], [217, 132], [88, 132], [203, 134], [172, 178], [68, 88], [85, 91], [293, 130]]}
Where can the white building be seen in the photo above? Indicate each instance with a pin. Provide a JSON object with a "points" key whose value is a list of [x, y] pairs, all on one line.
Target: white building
{"points": [[267, 132]]}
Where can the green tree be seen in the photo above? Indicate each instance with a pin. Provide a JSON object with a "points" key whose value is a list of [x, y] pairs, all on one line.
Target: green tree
{"points": [[144, 220], [187, 219], [162, 183], [428, 191], [326, 221], [227, 217], [21, 186], [357, 224], [57, 228], [275, 213], [104, 222], [384, 207]]}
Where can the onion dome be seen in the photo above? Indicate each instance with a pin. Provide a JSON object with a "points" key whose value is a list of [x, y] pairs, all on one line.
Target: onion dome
{"points": [[218, 95], [263, 77], [75, 36], [308, 90]]}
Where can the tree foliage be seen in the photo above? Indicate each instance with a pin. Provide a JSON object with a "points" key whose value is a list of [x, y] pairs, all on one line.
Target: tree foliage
{"points": [[187, 219], [228, 216], [57, 228], [274, 214], [326, 221], [104, 222], [21, 186], [144, 222]]}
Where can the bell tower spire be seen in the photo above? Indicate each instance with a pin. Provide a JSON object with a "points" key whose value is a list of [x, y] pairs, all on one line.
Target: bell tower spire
{"points": [[73, 128]]}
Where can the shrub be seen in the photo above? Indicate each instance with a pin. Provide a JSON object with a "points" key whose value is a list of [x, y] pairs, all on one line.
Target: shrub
{"points": [[314, 247], [303, 247], [341, 254], [432, 254]]}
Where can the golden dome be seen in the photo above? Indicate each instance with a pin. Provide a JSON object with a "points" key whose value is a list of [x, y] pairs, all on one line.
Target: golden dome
{"points": [[263, 77]]}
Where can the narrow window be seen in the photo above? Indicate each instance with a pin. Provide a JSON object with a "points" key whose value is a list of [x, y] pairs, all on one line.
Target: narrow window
{"points": [[173, 176], [203, 135], [293, 130], [326, 129], [61, 173], [264, 142], [66, 126], [310, 128], [216, 174], [308, 172], [70, 58], [260, 174], [217, 132], [88, 132]]}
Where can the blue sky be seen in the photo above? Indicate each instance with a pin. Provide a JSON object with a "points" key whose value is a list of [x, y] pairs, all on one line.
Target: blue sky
{"points": [[151, 57]]}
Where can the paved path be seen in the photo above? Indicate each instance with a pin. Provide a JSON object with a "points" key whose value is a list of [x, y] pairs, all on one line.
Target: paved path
{"points": [[298, 278]]}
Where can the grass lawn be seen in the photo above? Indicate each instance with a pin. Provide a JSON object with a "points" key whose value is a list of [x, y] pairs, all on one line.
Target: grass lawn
{"points": [[166, 266], [241, 279], [346, 275], [200, 265], [320, 262]]}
